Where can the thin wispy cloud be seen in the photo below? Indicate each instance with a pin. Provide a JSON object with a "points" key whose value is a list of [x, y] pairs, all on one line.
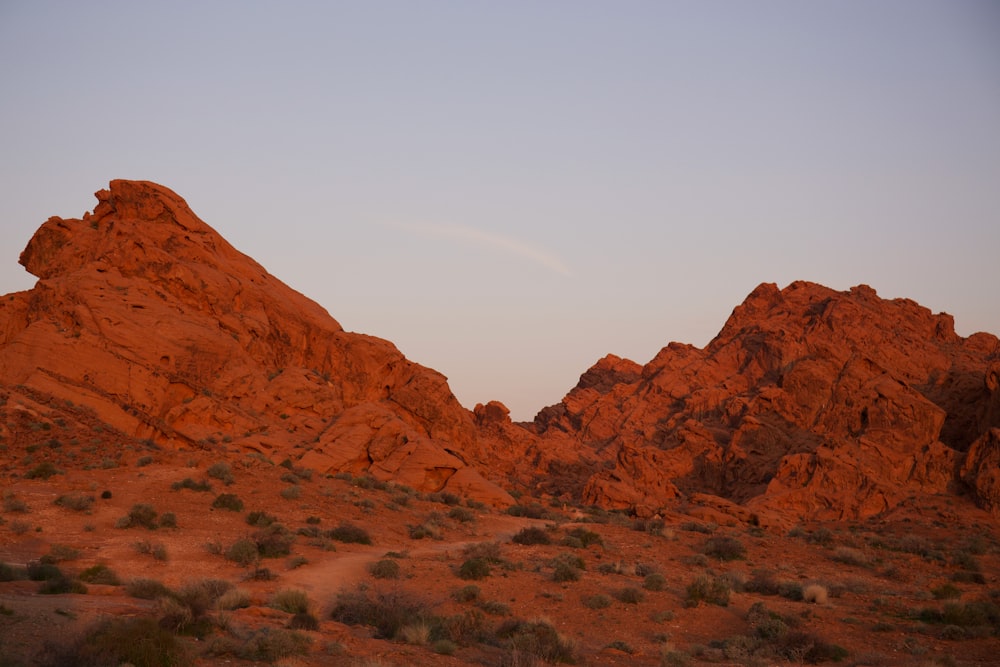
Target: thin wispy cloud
{"points": [[502, 243]]}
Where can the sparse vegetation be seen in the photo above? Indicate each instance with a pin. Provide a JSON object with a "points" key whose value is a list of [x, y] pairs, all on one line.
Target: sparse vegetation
{"points": [[141, 514], [474, 569], [221, 471], [228, 501], [78, 502], [188, 483], [705, 588], [349, 533], [291, 600], [384, 569], [531, 535], [724, 548]]}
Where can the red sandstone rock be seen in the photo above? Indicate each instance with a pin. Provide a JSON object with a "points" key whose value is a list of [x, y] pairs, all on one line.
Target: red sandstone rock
{"points": [[809, 403], [149, 317]]}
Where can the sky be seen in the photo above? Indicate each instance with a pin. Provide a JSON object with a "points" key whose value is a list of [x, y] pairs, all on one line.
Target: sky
{"points": [[509, 191]]}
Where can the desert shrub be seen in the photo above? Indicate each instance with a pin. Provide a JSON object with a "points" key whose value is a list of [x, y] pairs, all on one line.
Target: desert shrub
{"points": [[290, 600], [536, 638], [423, 530], [387, 611], [144, 461], [564, 571], [61, 585], [629, 595], [39, 571], [461, 514], [168, 520], [140, 642], [585, 537], [274, 541], [815, 593], [60, 552], [228, 501], [474, 569], [100, 574], [77, 502], [713, 590], [221, 471], [141, 514], [763, 582], [43, 470], [654, 582], [468, 593], [384, 569], [791, 590], [531, 535], [260, 519], [724, 548], [597, 602], [349, 533], [653, 526], [234, 598], [822, 536], [188, 483], [14, 505], [293, 492], [695, 527], [966, 561], [264, 645], [19, 527], [533, 511], [303, 621], [645, 569], [147, 589], [243, 552], [11, 573], [157, 550], [850, 556], [490, 551], [494, 608]]}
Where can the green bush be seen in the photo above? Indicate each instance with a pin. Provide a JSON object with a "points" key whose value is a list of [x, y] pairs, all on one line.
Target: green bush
{"points": [[654, 582], [291, 600], [243, 552], [474, 569]]}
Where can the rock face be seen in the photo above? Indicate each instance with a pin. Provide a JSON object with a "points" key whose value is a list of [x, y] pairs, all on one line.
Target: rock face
{"points": [[809, 403], [147, 316]]}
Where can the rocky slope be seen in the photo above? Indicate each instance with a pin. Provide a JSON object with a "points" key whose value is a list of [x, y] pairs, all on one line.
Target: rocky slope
{"points": [[809, 403], [148, 317]]}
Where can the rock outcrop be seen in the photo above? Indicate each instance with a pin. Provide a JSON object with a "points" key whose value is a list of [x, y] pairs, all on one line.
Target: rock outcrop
{"points": [[146, 315], [809, 403]]}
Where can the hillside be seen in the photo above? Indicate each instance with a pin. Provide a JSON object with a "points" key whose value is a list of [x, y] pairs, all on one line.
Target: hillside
{"points": [[201, 467]]}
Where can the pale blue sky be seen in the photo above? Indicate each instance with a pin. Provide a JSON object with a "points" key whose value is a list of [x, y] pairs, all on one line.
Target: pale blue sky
{"points": [[510, 190]]}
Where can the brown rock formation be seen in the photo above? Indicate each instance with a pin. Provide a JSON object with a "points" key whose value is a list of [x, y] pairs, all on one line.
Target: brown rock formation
{"points": [[149, 317], [809, 402]]}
